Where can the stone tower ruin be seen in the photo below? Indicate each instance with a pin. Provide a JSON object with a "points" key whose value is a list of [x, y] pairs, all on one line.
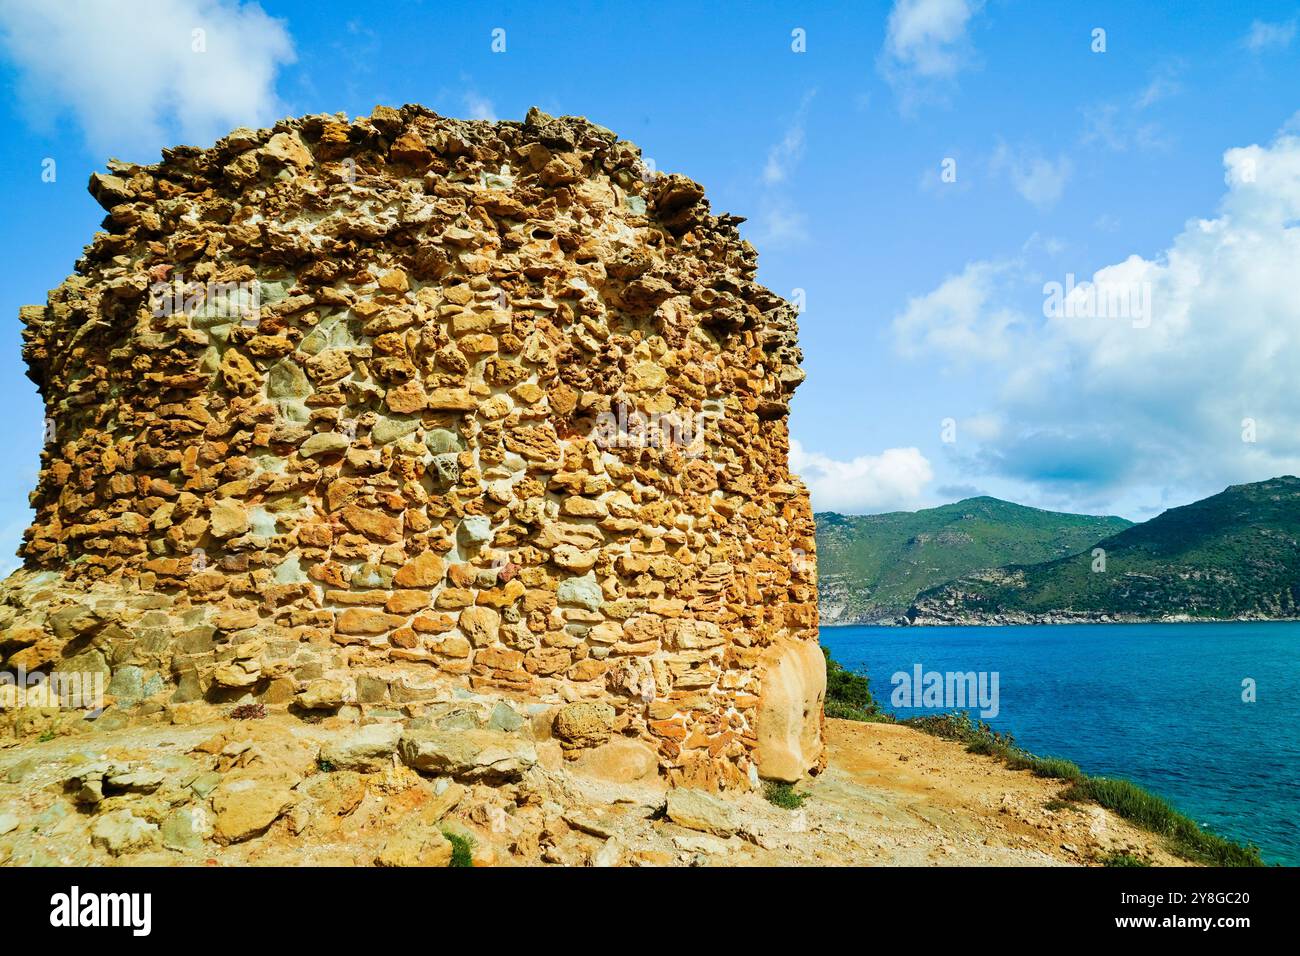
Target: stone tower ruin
{"points": [[378, 413]]}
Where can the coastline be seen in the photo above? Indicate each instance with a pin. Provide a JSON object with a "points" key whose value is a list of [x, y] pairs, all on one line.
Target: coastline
{"points": [[1039, 620], [1178, 689]]}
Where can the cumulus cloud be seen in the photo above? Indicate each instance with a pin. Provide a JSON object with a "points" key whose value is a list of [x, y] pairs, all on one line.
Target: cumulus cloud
{"points": [[1264, 36], [1096, 397], [138, 74], [893, 480], [962, 318], [926, 45], [1038, 180]]}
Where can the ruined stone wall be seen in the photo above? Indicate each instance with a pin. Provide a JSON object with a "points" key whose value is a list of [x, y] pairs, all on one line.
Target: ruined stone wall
{"points": [[345, 413]]}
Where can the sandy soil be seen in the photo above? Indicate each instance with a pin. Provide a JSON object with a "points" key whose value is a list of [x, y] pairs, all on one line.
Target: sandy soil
{"points": [[909, 799]]}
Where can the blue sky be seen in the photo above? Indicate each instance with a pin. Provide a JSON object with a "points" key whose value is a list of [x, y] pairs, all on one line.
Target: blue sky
{"points": [[1166, 163]]}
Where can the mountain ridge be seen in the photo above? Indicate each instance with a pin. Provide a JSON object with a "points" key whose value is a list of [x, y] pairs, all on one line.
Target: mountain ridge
{"points": [[871, 567], [1234, 555]]}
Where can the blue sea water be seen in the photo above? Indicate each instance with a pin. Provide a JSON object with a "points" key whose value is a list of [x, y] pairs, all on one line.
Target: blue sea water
{"points": [[1160, 704]]}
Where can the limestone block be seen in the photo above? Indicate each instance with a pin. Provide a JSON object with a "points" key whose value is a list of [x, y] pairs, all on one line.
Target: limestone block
{"points": [[789, 723]]}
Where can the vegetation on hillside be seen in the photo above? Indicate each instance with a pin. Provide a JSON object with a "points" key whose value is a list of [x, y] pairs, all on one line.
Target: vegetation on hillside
{"points": [[848, 695], [1122, 797], [871, 567], [1234, 554]]}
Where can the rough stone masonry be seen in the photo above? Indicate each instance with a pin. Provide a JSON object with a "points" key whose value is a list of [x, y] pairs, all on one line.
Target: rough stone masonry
{"points": [[370, 415]]}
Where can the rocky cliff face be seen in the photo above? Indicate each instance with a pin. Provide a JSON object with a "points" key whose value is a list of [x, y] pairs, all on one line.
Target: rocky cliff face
{"points": [[371, 416]]}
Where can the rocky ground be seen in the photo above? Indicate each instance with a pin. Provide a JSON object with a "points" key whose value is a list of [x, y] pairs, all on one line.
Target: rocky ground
{"points": [[281, 791]]}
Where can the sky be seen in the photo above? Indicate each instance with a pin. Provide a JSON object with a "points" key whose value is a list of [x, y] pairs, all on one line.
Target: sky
{"points": [[1044, 250]]}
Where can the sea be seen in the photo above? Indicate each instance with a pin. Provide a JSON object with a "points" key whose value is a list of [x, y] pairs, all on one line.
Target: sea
{"points": [[1205, 715]]}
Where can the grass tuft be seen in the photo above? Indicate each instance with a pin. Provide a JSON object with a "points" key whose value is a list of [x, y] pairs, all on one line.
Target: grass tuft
{"points": [[1053, 768], [1143, 808], [462, 848], [1124, 859], [783, 795]]}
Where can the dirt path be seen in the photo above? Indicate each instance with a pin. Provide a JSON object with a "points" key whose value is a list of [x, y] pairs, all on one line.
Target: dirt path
{"points": [[906, 798]]}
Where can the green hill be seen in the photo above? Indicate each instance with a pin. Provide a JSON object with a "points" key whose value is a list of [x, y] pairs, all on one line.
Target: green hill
{"points": [[872, 567], [1232, 555]]}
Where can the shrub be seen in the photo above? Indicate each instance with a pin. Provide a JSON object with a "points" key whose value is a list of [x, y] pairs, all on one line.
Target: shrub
{"points": [[848, 695], [1053, 768], [783, 795], [462, 848], [978, 736], [1145, 809]]}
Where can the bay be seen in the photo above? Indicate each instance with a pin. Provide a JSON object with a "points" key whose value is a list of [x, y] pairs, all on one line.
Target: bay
{"points": [[1160, 704]]}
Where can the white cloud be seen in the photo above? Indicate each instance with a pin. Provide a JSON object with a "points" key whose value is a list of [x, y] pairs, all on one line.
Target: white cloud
{"points": [[1269, 36], [926, 45], [784, 154], [962, 318], [1120, 128], [782, 157], [1124, 122], [479, 108], [1037, 179], [779, 223], [925, 36], [136, 75], [1155, 402], [1163, 85], [984, 427], [892, 480]]}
